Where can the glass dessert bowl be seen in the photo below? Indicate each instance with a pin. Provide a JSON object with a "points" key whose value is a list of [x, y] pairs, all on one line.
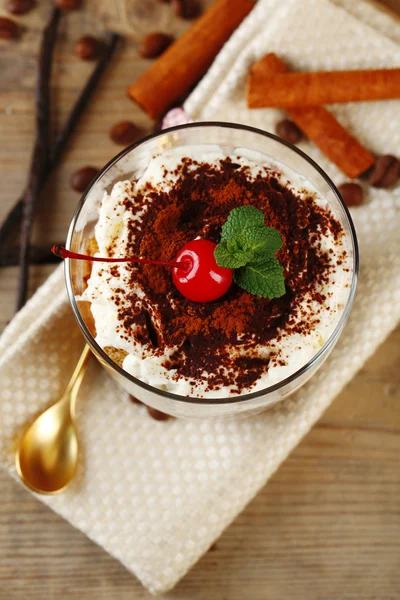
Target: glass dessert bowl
{"points": [[247, 350]]}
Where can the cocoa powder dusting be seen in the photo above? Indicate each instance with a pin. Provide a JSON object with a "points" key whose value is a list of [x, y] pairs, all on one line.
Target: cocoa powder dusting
{"points": [[198, 205]]}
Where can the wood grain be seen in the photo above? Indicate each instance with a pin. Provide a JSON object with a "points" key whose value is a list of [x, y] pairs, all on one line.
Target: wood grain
{"points": [[326, 527]]}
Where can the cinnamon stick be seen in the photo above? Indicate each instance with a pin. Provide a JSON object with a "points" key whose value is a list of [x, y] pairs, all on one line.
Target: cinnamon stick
{"points": [[321, 127], [187, 59], [314, 89]]}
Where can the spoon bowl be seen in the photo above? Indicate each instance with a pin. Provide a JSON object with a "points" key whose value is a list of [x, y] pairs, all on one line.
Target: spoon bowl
{"points": [[47, 456]]}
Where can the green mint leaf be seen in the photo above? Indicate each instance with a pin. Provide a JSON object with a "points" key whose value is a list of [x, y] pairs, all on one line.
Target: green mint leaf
{"points": [[240, 219], [239, 248], [230, 260], [264, 279], [261, 242], [248, 247]]}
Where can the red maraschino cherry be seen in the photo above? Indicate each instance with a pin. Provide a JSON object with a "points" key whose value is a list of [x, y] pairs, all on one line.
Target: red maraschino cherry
{"points": [[195, 272], [202, 280]]}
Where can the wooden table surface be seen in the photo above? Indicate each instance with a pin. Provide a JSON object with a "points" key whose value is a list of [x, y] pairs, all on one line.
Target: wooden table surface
{"points": [[327, 525]]}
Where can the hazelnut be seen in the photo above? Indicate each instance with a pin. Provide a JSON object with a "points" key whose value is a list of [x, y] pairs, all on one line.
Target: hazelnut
{"points": [[124, 133], [87, 47], [8, 29], [134, 400], [352, 193], [68, 4], [186, 9], [20, 7], [154, 44], [157, 414], [288, 131]]}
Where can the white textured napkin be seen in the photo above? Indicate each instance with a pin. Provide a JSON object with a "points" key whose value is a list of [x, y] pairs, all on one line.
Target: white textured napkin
{"points": [[157, 494]]}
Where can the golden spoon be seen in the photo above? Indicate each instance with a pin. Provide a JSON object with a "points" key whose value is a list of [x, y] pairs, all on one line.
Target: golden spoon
{"points": [[47, 456]]}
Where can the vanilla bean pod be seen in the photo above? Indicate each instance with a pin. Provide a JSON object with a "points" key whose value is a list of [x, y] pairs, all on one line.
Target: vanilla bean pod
{"points": [[14, 216], [40, 155], [38, 255]]}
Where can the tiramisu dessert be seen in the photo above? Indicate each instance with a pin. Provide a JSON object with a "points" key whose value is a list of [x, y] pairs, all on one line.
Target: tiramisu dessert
{"points": [[230, 272]]}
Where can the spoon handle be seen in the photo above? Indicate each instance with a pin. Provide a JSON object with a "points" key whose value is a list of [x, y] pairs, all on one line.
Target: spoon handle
{"points": [[74, 383]]}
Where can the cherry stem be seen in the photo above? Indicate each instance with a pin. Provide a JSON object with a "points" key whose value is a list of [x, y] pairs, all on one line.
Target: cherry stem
{"points": [[64, 253]]}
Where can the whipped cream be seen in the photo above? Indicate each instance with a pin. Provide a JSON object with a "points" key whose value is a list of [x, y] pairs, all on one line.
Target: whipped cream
{"points": [[108, 287]]}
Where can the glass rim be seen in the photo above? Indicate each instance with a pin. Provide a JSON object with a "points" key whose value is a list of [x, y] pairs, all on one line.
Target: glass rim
{"points": [[239, 399]]}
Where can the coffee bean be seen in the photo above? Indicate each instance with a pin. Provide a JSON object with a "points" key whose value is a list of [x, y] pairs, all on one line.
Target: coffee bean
{"points": [[186, 9], [154, 44], [81, 178], [288, 131], [87, 47], [20, 7], [352, 193], [124, 133], [385, 172], [8, 29], [157, 414], [68, 4]]}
